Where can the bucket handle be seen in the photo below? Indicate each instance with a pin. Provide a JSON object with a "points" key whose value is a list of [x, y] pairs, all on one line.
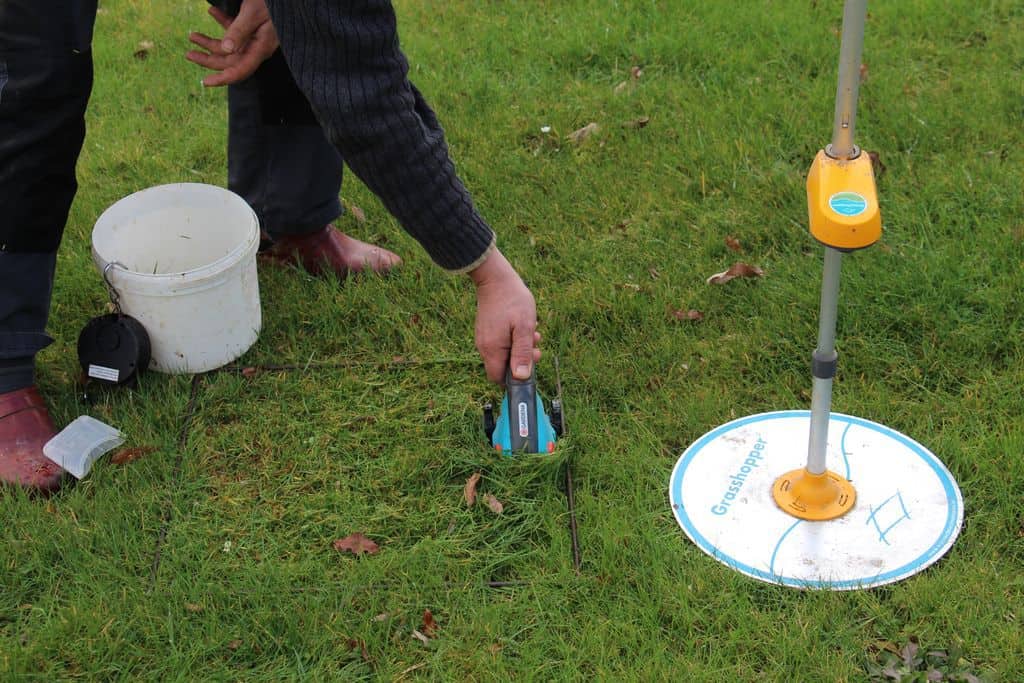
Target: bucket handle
{"points": [[115, 298]]}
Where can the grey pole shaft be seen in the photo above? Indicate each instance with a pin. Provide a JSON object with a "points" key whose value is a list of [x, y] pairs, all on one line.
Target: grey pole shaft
{"points": [[842, 147], [821, 393], [854, 16]]}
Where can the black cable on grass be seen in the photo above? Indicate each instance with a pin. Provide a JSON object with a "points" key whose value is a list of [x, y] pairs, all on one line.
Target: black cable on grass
{"points": [[393, 585], [570, 494], [341, 365], [186, 423], [186, 426], [573, 531]]}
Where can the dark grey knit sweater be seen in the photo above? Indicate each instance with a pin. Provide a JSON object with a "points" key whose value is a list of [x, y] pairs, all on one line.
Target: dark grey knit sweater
{"points": [[344, 55]]}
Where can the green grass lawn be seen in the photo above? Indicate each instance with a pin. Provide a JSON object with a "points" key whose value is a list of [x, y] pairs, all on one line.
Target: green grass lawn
{"points": [[211, 557]]}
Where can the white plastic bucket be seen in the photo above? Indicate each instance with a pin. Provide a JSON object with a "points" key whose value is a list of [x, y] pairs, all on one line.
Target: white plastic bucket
{"points": [[184, 265]]}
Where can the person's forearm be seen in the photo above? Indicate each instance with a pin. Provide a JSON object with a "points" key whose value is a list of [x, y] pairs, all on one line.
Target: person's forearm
{"points": [[346, 59]]}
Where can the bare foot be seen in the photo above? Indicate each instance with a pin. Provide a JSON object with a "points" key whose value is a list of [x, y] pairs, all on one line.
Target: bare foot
{"points": [[330, 250], [359, 256]]}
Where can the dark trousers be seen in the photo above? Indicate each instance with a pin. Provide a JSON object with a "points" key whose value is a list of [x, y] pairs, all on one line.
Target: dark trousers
{"points": [[278, 159]]}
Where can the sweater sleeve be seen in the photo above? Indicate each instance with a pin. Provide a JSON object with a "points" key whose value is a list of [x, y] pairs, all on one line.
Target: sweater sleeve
{"points": [[345, 57]]}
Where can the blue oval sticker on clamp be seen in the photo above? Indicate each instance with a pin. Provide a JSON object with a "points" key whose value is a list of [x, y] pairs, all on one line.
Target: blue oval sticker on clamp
{"points": [[848, 203]]}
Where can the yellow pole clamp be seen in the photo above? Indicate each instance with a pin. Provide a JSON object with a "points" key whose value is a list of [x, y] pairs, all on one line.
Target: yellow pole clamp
{"points": [[842, 202]]}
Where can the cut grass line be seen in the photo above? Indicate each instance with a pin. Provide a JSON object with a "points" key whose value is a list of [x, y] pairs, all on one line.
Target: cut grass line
{"points": [[190, 413]]}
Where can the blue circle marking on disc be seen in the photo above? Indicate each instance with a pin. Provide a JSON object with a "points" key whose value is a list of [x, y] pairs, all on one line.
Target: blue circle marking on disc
{"points": [[848, 203], [949, 530]]}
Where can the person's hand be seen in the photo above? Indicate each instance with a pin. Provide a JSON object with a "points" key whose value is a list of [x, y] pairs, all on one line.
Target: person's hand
{"points": [[506, 320], [249, 39]]}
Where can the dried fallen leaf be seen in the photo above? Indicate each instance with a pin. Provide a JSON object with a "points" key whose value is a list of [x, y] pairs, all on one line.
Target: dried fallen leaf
{"points": [[637, 123], [357, 213], [634, 75], [249, 371], [494, 504], [885, 646], [420, 637], [360, 645], [909, 652], [383, 616], [126, 455], [495, 648], [692, 314], [143, 49], [653, 272], [408, 670], [234, 644], [733, 243], [193, 607], [863, 73], [429, 626], [892, 673], [630, 286], [735, 270], [578, 136], [876, 163], [357, 544], [469, 492]]}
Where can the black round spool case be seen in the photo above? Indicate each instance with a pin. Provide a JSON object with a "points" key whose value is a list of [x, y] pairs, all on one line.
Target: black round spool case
{"points": [[113, 349]]}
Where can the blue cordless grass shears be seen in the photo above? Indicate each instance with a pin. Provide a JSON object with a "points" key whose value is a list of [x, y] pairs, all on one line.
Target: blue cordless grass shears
{"points": [[523, 426]]}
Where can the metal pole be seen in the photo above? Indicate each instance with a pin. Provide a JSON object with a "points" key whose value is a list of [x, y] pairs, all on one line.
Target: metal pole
{"points": [[842, 147], [825, 354], [854, 16]]}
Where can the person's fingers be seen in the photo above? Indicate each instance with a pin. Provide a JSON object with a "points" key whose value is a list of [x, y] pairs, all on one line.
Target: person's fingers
{"points": [[521, 360], [243, 27], [495, 364], [213, 62], [206, 42], [219, 79], [238, 71], [220, 17]]}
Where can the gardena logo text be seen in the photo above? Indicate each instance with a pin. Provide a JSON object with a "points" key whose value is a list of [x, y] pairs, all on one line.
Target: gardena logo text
{"points": [[736, 481], [524, 420], [848, 203]]}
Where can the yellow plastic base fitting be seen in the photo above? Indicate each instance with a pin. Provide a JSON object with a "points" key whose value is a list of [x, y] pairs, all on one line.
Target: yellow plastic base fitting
{"points": [[842, 202], [815, 497]]}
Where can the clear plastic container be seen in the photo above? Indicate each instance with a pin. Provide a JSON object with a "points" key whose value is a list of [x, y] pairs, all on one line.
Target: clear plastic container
{"points": [[79, 444]]}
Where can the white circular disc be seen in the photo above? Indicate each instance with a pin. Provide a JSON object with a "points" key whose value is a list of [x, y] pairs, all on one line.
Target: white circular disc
{"points": [[907, 513]]}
